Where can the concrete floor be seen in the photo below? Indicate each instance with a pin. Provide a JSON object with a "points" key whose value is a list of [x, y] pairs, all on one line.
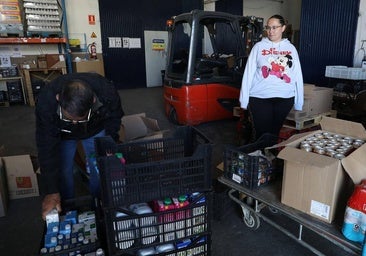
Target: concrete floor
{"points": [[22, 228]]}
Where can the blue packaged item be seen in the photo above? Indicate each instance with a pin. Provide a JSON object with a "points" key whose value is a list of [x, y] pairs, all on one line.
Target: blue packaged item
{"points": [[352, 225], [65, 227], [50, 240], [72, 216], [183, 243], [52, 228]]}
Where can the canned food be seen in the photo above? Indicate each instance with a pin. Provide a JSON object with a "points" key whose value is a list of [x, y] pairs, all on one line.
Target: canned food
{"points": [[306, 147], [339, 156]]}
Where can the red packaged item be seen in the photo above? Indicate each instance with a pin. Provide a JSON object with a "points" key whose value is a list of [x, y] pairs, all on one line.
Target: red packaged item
{"points": [[354, 224], [357, 200], [183, 218], [167, 227]]}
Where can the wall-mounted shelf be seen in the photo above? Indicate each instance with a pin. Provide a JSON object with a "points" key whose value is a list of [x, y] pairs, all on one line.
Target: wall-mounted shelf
{"points": [[32, 40]]}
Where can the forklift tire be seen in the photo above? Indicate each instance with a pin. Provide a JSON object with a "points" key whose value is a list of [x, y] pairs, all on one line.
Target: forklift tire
{"points": [[173, 118]]}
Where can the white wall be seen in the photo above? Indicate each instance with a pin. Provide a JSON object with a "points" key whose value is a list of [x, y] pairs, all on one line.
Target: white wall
{"points": [[78, 24]]}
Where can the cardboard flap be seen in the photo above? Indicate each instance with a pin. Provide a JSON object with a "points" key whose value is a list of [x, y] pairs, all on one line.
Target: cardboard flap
{"points": [[291, 139], [134, 126], [343, 127], [355, 164], [151, 124], [307, 158]]}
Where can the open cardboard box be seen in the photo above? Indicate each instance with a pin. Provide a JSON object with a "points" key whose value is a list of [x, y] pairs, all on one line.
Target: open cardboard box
{"points": [[139, 127], [133, 128], [21, 177], [318, 184]]}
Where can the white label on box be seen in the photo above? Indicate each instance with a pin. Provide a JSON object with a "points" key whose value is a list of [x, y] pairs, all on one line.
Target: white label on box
{"points": [[237, 178], [320, 209]]}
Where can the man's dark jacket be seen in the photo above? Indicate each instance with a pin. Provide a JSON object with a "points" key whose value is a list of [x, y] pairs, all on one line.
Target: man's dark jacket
{"points": [[50, 130]]}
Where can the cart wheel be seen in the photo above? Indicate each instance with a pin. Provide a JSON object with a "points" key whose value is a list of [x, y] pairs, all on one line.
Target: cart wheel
{"points": [[251, 219], [173, 118], [272, 210]]}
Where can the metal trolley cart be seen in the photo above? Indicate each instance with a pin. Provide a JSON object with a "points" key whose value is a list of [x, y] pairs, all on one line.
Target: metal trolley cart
{"points": [[257, 181]]}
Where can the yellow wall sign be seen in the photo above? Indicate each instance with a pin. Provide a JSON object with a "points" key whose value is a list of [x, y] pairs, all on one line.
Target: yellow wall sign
{"points": [[158, 44]]}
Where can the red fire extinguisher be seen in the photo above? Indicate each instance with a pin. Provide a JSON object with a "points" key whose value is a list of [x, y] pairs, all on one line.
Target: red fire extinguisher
{"points": [[93, 50]]}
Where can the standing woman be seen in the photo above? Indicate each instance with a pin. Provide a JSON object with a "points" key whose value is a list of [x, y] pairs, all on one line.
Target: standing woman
{"points": [[272, 82]]}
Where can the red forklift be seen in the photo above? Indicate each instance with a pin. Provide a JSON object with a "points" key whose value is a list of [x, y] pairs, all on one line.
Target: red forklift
{"points": [[207, 53]]}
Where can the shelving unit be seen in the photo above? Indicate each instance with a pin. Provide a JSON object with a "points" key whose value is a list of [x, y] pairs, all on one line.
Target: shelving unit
{"points": [[47, 73], [11, 86], [32, 40]]}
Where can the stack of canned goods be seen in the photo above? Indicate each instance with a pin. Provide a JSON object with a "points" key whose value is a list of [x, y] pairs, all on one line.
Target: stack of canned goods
{"points": [[330, 144]]}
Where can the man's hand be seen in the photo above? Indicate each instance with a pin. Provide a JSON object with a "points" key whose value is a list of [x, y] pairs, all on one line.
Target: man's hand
{"points": [[51, 201]]}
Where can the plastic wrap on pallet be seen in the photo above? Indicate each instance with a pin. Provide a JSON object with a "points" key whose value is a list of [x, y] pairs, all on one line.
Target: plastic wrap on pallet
{"points": [[344, 72], [155, 168]]}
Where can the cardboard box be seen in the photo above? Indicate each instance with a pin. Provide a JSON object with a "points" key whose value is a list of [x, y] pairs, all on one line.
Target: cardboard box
{"points": [[95, 66], [317, 100], [133, 128], [138, 126], [41, 61], [55, 61], [25, 62], [314, 183], [21, 178], [4, 197]]}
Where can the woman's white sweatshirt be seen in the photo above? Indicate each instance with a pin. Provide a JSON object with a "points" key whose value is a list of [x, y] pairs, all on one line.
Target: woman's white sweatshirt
{"points": [[273, 70]]}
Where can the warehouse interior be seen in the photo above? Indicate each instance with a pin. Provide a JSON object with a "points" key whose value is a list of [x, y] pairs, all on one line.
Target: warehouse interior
{"points": [[135, 55]]}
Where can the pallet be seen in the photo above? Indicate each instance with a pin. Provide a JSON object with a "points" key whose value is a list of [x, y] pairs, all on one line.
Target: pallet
{"points": [[44, 34], [4, 104], [308, 122], [12, 34]]}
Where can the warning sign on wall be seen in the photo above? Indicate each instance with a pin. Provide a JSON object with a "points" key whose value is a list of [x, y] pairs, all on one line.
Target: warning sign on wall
{"points": [[91, 19], [158, 44]]}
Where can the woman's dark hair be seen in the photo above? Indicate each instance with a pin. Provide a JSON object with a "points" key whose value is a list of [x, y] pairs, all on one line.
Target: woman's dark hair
{"points": [[76, 97], [280, 18]]}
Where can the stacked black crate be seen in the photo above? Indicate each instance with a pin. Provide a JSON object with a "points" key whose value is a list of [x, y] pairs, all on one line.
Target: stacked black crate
{"points": [[156, 194], [15, 92]]}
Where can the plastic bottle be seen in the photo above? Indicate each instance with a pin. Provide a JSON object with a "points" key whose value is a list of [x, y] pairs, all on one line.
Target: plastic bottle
{"points": [[182, 220], [123, 226], [147, 223], [99, 252], [121, 158], [354, 225], [167, 227]]}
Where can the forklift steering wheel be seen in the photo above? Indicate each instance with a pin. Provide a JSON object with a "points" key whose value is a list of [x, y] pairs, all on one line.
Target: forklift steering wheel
{"points": [[215, 55]]}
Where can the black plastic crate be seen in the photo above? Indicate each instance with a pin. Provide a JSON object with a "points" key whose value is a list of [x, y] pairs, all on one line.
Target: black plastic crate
{"points": [[128, 233], [158, 168], [251, 171], [15, 91], [80, 204]]}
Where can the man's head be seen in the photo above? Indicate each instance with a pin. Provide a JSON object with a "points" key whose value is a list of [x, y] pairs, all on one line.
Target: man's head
{"points": [[76, 100]]}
